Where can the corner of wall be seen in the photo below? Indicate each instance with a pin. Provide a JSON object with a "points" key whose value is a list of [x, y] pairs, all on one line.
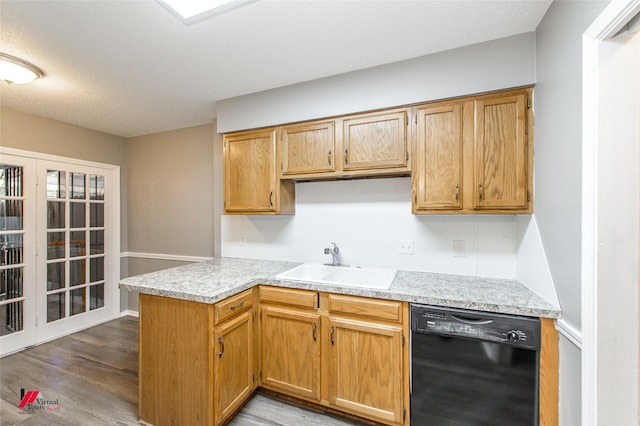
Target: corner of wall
{"points": [[532, 268]]}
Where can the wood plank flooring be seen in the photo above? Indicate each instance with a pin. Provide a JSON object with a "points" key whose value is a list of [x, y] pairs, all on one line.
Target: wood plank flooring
{"points": [[93, 375]]}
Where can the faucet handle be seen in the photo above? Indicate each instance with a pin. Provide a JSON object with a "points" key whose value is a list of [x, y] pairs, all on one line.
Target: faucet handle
{"points": [[335, 247], [327, 251]]}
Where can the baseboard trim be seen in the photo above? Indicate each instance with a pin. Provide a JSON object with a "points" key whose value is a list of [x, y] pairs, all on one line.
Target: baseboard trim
{"points": [[129, 313], [161, 256], [570, 332]]}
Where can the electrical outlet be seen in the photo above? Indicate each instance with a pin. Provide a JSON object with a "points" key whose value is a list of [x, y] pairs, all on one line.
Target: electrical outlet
{"points": [[406, 247], [458, 248]]}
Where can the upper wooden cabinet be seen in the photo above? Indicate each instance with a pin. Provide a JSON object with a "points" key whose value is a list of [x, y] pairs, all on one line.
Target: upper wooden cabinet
{"points": [[473, 155], [375, 141], [307, 148], [501, 152], [251, 184], [470, 155], [359, 145], [438, 173]]}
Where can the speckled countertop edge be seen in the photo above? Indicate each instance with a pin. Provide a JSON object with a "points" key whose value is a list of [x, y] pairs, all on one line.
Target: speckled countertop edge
{"points": [[215, 280]]}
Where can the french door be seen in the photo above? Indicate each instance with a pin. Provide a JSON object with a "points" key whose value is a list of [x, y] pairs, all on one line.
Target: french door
{"points": [[17, 253], [65, 278]]}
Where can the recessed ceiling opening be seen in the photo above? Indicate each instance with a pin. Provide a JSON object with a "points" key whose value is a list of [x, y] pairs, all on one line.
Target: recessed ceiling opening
{"points": [[190, 11]]}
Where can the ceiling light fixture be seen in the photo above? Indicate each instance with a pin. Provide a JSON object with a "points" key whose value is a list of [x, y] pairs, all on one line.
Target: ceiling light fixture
{"points": [[190, 11], [17, 71]]}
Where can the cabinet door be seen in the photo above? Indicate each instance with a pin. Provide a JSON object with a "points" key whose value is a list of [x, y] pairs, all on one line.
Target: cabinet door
{"points": [[367, 365], [291, 352], [375, 141], [234, 373], [307, 148], [438, 178], [501, 153], [250, 172]]}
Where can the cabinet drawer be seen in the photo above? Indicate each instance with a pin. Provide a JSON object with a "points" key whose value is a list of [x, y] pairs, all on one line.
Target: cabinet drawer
{"points": [[288, 296], [386, 310], [233, 306]]}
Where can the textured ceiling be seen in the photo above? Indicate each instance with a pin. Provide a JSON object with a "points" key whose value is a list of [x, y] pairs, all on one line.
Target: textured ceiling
{"points": [[131, 68]]}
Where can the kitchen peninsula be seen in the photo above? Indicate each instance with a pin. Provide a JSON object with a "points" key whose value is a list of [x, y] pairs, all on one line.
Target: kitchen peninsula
{"points": [[194, 315]]}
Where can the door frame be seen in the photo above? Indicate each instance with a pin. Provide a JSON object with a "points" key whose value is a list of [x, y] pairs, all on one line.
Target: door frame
{"points": [[613, 18], [113, 252]]}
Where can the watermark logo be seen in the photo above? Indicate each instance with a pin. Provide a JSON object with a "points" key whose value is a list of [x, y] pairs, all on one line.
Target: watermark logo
{"points": [[33, 400]]}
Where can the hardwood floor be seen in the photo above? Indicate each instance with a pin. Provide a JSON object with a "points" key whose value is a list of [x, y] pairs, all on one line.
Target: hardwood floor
{"points": [[91, 378]]}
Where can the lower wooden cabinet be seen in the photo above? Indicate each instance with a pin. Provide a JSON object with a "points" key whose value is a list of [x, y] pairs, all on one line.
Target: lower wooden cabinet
{"points": [[366, 376], [291, 351], [192, 370], [199, 363], [344, 352], [233, 366]]}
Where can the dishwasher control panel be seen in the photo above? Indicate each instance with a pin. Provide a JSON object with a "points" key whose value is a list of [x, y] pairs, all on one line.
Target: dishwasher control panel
{"points": [[500, 328]]}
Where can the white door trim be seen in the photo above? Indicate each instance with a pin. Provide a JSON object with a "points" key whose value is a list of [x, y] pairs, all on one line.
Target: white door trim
{"points": [[606, 25]]}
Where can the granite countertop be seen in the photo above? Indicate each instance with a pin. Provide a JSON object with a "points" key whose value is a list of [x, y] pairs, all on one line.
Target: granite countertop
{"points": [[215, 280]]}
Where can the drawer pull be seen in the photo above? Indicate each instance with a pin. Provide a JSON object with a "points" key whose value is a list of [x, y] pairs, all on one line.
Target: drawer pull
{"points": [[238, 306]]}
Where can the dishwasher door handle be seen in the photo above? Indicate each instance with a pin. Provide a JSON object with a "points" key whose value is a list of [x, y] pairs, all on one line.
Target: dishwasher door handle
{"points": [[471, 321]]}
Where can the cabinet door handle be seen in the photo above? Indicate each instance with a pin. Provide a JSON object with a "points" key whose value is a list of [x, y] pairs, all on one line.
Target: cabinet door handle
{"points": [[238, 306], [329, 157], [480, 192], [457, 191], [313, 328], [346, 156], [333, 342], [271, 198], [221, 347]]}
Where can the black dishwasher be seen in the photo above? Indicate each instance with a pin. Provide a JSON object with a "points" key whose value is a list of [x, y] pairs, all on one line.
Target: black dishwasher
{"points": [[470, 368]]}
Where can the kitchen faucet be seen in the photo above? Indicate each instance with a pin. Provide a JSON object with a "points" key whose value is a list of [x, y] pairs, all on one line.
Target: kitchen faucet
{"points": [[335, 253]]}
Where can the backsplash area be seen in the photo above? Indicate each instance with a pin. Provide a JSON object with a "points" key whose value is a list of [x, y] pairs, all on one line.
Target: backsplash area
{"points": [[369, 220]]}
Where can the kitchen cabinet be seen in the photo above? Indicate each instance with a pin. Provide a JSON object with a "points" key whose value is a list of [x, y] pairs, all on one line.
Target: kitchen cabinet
{"points": [[290, 345], [358, 145], [192, 370], [234, 359], [501, 152], [362, 341], [473, 155], [307, 148], [346, 354], [368, 357], [438, 172], [251, 184], [376, 141]]}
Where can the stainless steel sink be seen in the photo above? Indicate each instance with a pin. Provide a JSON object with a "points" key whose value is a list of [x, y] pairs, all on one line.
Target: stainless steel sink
{"points": [[350, 276]]}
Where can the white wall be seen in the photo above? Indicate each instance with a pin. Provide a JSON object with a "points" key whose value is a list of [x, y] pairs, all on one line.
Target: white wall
{"points": [[558, 144], [493, 65], [368, 219]]}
